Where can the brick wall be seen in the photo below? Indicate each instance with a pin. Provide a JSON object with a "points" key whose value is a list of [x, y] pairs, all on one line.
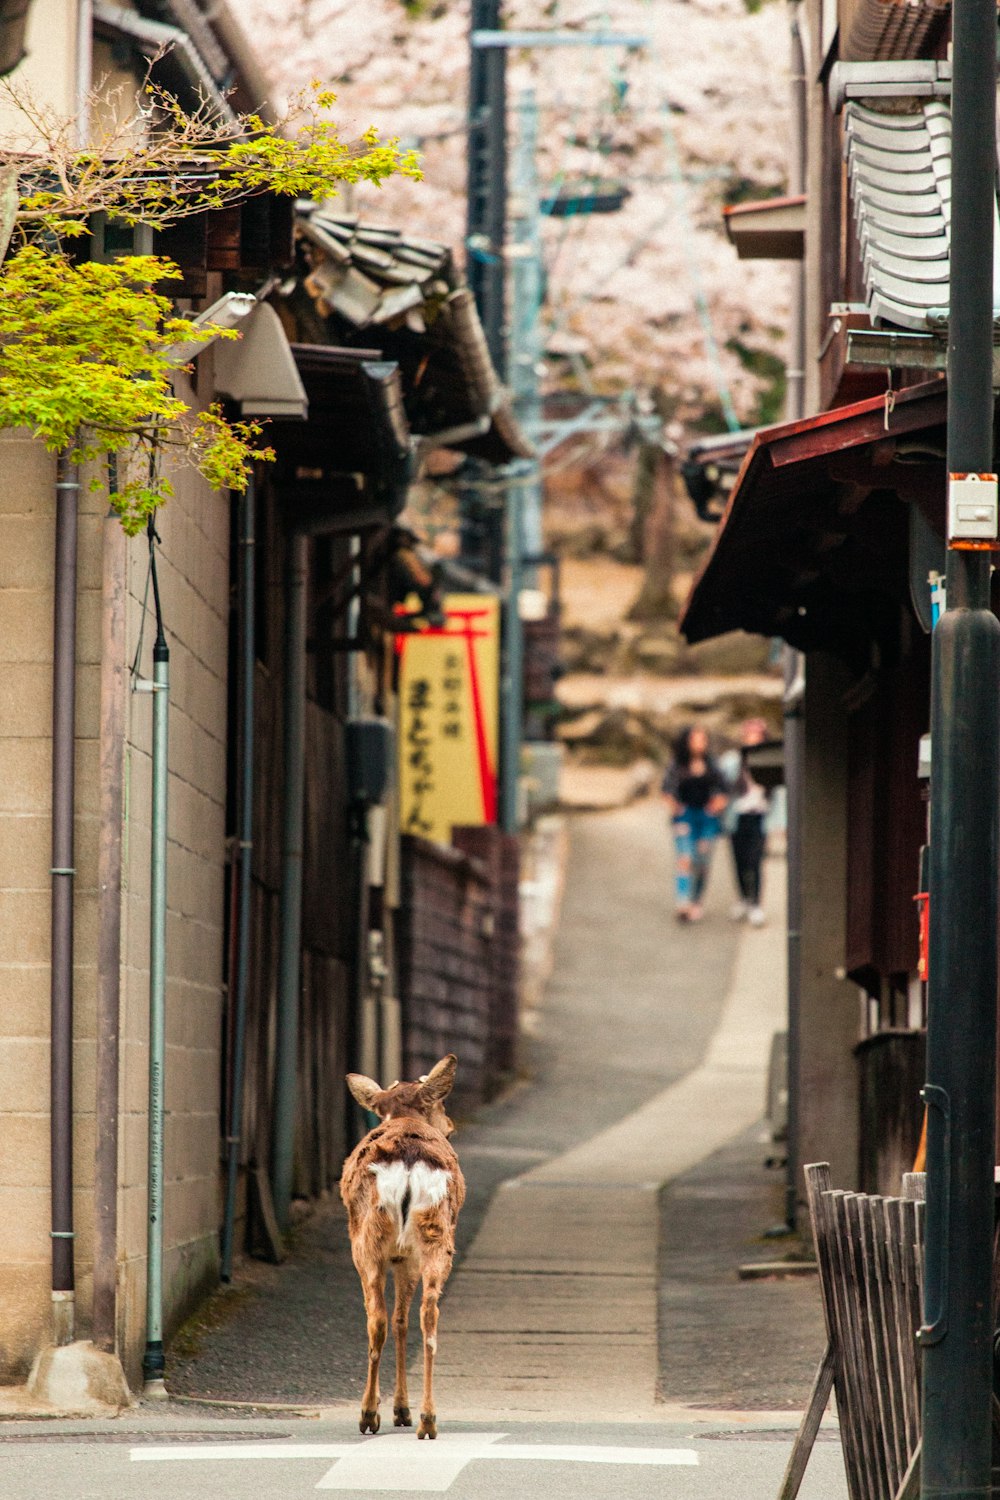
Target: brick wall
{"points": [[457, 958]]}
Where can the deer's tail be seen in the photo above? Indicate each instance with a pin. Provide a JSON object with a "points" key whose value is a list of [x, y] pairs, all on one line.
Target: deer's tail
{"points": [[405, 1190]]}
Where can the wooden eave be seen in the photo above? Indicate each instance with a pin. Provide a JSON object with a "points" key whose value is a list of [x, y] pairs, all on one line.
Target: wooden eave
{"points": [[769, 229]]}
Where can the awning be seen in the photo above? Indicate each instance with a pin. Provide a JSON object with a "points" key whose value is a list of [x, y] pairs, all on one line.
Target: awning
{"points": [[772, 229], [350, 464], [815, 540], [258, 371]]}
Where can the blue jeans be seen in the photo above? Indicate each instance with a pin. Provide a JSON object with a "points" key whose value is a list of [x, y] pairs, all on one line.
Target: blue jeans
{"points": [[695, 832]]}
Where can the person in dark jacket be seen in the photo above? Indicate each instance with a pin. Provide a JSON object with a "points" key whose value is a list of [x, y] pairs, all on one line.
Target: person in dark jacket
{"points": [[695, 792]]}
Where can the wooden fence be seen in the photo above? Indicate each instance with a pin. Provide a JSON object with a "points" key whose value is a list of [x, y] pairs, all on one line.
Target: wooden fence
{"points": [[458, 958], [869, 1251]]}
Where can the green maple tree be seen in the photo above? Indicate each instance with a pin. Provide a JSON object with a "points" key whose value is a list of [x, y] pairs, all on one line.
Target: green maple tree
{"points": [[87, 349]]}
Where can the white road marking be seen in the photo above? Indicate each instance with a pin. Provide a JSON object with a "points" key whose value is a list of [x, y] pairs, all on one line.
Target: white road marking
{"points": [[398, 1461]]}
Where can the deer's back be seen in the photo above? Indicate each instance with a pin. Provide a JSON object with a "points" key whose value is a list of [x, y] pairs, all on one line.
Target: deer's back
{"points": [[399, 1145]]}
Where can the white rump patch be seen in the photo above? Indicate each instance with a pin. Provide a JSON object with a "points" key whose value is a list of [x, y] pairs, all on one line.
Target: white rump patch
{"points": [[404, 1191]]}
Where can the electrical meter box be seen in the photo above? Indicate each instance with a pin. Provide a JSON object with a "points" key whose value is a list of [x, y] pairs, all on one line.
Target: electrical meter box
{"points": [[972, 508], [370, 743]]}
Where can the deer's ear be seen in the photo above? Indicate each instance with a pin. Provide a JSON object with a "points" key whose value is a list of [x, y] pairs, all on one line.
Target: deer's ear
{"points": [[438, 1083], [364, 1090]]}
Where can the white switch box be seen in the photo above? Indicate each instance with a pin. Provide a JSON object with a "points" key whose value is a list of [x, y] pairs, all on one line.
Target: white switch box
{"points": [[973, 508]]}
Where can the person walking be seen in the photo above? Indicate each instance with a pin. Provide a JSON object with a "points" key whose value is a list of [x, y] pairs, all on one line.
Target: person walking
{"points": [[747, 812], [695, 793]]}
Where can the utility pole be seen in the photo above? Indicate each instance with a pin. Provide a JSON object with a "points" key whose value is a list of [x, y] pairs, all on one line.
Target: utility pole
{"points": [[794, 661], [486, 203], [957, 1335], [526, 302], [486, 245]]}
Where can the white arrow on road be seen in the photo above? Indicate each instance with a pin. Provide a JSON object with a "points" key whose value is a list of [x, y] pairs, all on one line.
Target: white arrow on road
{"points": [[399, 1462]]}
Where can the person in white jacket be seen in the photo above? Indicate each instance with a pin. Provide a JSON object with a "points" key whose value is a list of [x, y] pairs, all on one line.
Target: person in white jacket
{"points": [[746, 814]]}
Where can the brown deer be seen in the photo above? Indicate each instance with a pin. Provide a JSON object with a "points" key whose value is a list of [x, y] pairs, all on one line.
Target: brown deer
{"points": [[403, 1188]]}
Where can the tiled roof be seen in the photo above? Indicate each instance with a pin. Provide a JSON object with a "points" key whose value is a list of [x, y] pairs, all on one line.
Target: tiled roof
{"points": [[875, 29], [402, 293], [899, 167]]}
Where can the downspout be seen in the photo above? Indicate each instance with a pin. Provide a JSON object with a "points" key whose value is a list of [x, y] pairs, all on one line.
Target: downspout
{"points": [[109, 912], [795, 378], [366, 1003], [153, 1363], [289, 963], [794, 661], [63, 798], [244, 837], [63, 872], [84, 68]]}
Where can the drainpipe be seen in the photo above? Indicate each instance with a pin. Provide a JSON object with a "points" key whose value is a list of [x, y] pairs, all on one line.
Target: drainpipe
{"points": [[289, 964], [153, 1363], [84, 68], [794, 661], [109, 880], [795, 743], [63, 797], [366, 1006], [244, 837], [795, 387]]}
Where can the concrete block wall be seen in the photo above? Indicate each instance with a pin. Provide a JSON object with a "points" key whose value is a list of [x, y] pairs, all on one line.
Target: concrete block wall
{"points": [[193, 564], [27, 531], [194, 571]]}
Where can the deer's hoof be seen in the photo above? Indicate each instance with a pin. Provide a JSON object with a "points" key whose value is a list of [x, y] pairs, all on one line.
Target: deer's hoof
{"points": [[428, 1425], [401, 1416], [370, 1421]]}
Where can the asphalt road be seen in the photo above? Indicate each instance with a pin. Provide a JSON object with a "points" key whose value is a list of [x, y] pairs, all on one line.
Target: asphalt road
{"points": [[582, 1461], [630, 1008]]}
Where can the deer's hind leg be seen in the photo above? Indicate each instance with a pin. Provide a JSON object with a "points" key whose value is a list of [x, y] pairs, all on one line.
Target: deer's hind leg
{"points": [[406, 1276], [435, 1267], [373, 1285]]}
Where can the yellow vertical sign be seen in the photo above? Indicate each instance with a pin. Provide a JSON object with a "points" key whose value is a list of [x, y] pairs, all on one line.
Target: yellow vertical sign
{"points": [[449, 701]]}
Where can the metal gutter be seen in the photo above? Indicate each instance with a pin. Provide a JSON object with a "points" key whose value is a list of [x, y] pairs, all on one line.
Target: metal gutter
{"points": [[254, 80], [155, 37], [923, 78]]}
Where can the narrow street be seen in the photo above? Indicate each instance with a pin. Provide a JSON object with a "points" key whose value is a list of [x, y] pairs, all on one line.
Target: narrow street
{"points": [[595, 1336]]}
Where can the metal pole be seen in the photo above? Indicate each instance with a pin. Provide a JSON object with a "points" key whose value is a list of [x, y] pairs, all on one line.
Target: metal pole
{"points": [[526, 301], [513, 672], [114, 690], [484, 13], [153, 1361], [494, 279], [289, 963], [244, 837], [795, 736], [63, 798], [965, 813], [795, 662]]}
